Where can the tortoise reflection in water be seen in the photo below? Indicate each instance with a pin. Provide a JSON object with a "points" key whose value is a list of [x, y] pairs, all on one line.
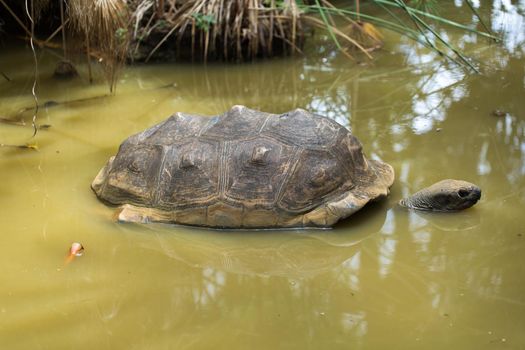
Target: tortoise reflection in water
{"points": [[242, 169]]}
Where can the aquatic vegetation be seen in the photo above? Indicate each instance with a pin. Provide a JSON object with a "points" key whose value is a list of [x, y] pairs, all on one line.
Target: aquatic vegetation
{"points": [[244, 29], [229, 30], [240, 29], [417, 22]]}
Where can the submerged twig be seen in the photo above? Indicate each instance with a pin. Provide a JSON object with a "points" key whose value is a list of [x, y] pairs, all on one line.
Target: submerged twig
{"points": [[19, 122], [5, 76], [52, 103], [32, 146]]}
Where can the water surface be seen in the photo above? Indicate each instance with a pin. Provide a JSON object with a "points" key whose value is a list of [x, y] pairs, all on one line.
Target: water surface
{"points": [[384, 278]]}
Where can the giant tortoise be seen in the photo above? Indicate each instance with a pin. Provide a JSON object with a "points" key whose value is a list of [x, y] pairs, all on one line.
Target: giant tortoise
{"points": [[243, 169]]}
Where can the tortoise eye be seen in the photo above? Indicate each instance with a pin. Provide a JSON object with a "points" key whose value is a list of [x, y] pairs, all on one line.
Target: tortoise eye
{"points": [[463, 193]]}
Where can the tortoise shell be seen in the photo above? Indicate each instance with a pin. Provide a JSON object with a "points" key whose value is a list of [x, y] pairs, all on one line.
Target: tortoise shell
{"points": [[242, 169]]}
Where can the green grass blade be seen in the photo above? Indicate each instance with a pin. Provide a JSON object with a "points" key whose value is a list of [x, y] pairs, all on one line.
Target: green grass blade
{"points": [[379, 21], [419, 21], [401, 27], [328, 25], [476, 13], [438, 19]]}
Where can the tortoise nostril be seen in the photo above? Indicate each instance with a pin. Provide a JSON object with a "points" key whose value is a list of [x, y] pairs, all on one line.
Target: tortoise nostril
{"points": [[463, 193], [477, 193]]}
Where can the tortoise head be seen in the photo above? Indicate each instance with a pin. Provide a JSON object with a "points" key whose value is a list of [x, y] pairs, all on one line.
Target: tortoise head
{"points": [[446, 195], [129, 176]]}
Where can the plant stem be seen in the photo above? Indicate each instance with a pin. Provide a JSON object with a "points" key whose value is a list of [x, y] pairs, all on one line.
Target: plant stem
{"points": [[56, 32], [63, 29], [88, 54], [438, 19], [328, 26], [160, 8], [473, 9]]}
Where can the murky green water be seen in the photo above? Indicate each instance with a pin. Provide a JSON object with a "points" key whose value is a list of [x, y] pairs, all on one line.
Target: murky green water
{"points": [[384, 278]]}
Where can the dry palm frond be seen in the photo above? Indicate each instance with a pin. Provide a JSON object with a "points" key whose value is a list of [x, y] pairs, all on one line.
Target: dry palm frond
{"points": [[338, 33], [366, 34], [105, 26]]}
